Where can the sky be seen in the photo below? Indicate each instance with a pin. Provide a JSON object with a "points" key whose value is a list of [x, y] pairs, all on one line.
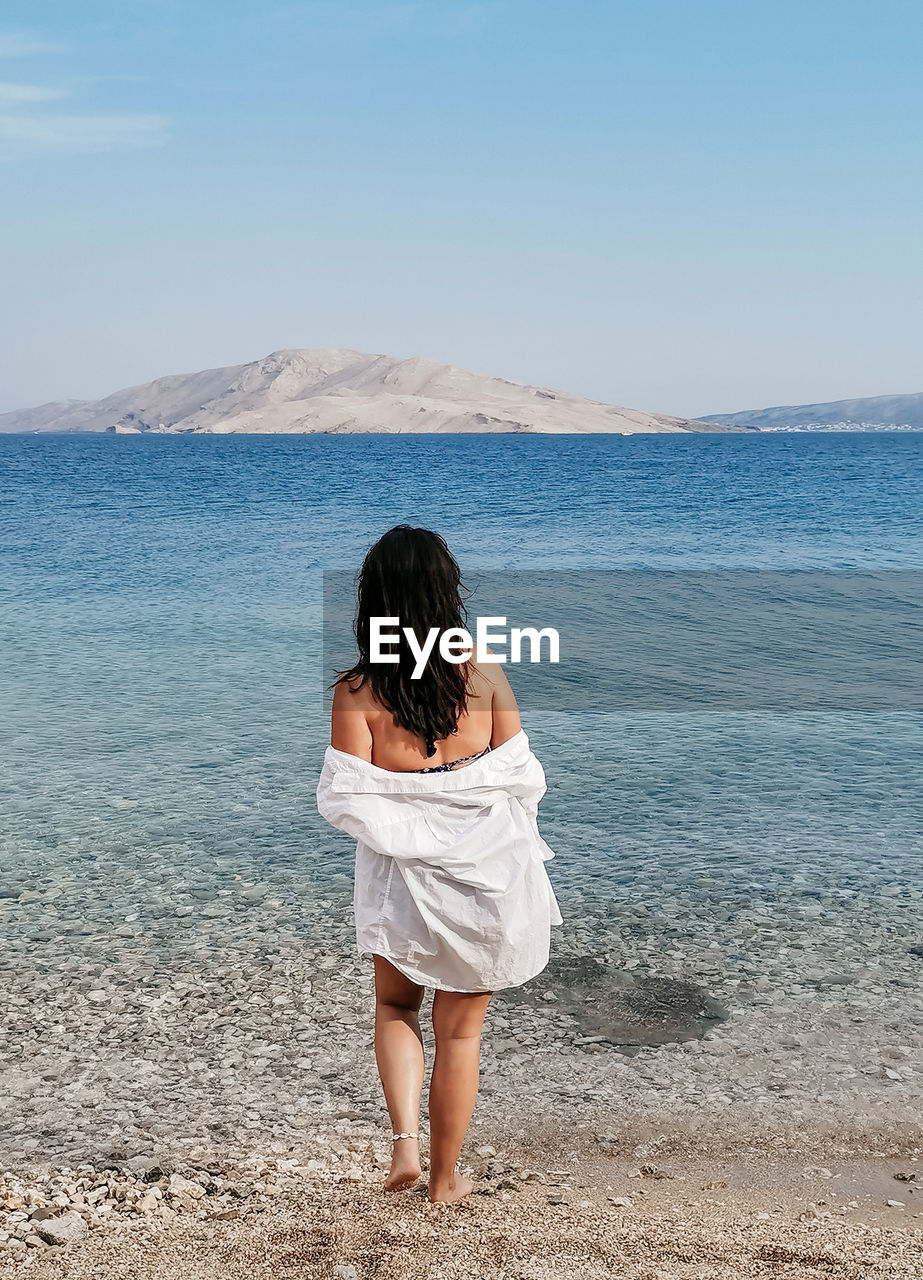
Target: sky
{"points": [[683, 206]]}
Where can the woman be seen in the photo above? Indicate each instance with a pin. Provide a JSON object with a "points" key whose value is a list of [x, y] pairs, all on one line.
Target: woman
{"points": [[435, 779]]}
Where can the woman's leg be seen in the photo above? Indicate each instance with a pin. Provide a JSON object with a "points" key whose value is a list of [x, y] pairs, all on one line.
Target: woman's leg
{"points": [[399, 1054], [457, 1021]]}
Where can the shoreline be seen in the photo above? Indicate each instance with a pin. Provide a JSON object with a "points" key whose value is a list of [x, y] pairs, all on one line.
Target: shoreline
{"points": [[248, 1068], [536, 1213], [228, 1121], [135, 1057]]}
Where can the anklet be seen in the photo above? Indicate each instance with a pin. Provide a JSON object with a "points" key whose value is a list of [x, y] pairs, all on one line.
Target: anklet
{"points": [[395, 1136]]}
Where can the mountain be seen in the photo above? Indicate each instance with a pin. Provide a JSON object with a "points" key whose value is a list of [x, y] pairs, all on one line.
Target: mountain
{"points": [[874, 413], [341, 391]]}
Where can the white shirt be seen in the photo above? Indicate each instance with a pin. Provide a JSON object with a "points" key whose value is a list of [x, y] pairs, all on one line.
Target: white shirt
{"points": [[450, 885]]}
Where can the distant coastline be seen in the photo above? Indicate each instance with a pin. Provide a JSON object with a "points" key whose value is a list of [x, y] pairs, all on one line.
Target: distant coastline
{"points": [[345, 392], [872, 413]]}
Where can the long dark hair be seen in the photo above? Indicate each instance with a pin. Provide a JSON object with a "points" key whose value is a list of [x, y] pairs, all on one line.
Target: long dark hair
{"points": [[410, 574]]}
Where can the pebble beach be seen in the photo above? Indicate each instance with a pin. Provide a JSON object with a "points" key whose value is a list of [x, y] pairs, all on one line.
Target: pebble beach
{"points": [[144, 1103], [662, 1214]]}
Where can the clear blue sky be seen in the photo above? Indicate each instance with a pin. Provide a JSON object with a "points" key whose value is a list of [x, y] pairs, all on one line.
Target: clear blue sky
{"points": [[681, 205]]}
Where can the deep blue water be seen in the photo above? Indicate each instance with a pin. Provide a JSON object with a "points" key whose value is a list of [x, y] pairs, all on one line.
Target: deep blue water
{"points": [[160, 651]]}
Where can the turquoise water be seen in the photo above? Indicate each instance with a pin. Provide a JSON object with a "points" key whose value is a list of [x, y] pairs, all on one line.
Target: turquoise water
{"points": [[163, 726]]}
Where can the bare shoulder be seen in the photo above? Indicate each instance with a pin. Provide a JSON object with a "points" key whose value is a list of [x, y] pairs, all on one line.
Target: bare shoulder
{"points": [[488, 677], [349, 725], [350, 695], [489, 683]]}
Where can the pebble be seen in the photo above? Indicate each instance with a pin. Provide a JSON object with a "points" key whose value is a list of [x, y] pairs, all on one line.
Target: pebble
{"points": [[66, 1229], [180, 1186]]}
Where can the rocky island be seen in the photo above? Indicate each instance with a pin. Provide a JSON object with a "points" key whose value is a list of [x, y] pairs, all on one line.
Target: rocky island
{"points": [[340, 391]]}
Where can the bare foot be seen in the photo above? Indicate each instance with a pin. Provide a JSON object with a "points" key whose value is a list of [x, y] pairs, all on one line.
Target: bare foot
{"points": [[405, 1165], [456, 1189]]}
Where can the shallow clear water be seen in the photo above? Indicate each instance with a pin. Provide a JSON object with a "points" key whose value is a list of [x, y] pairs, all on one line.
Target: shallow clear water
{"points": [[163, 725]]}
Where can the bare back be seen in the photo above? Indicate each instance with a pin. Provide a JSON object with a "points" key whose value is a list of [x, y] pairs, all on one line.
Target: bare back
{"points": [[362, 727]]}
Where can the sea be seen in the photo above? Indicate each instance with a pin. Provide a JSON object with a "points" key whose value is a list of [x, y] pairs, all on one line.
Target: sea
{"points": [[162, 669]]}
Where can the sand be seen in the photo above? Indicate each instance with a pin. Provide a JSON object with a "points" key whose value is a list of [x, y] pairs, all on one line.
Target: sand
{"points": [[537, 1214]]}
